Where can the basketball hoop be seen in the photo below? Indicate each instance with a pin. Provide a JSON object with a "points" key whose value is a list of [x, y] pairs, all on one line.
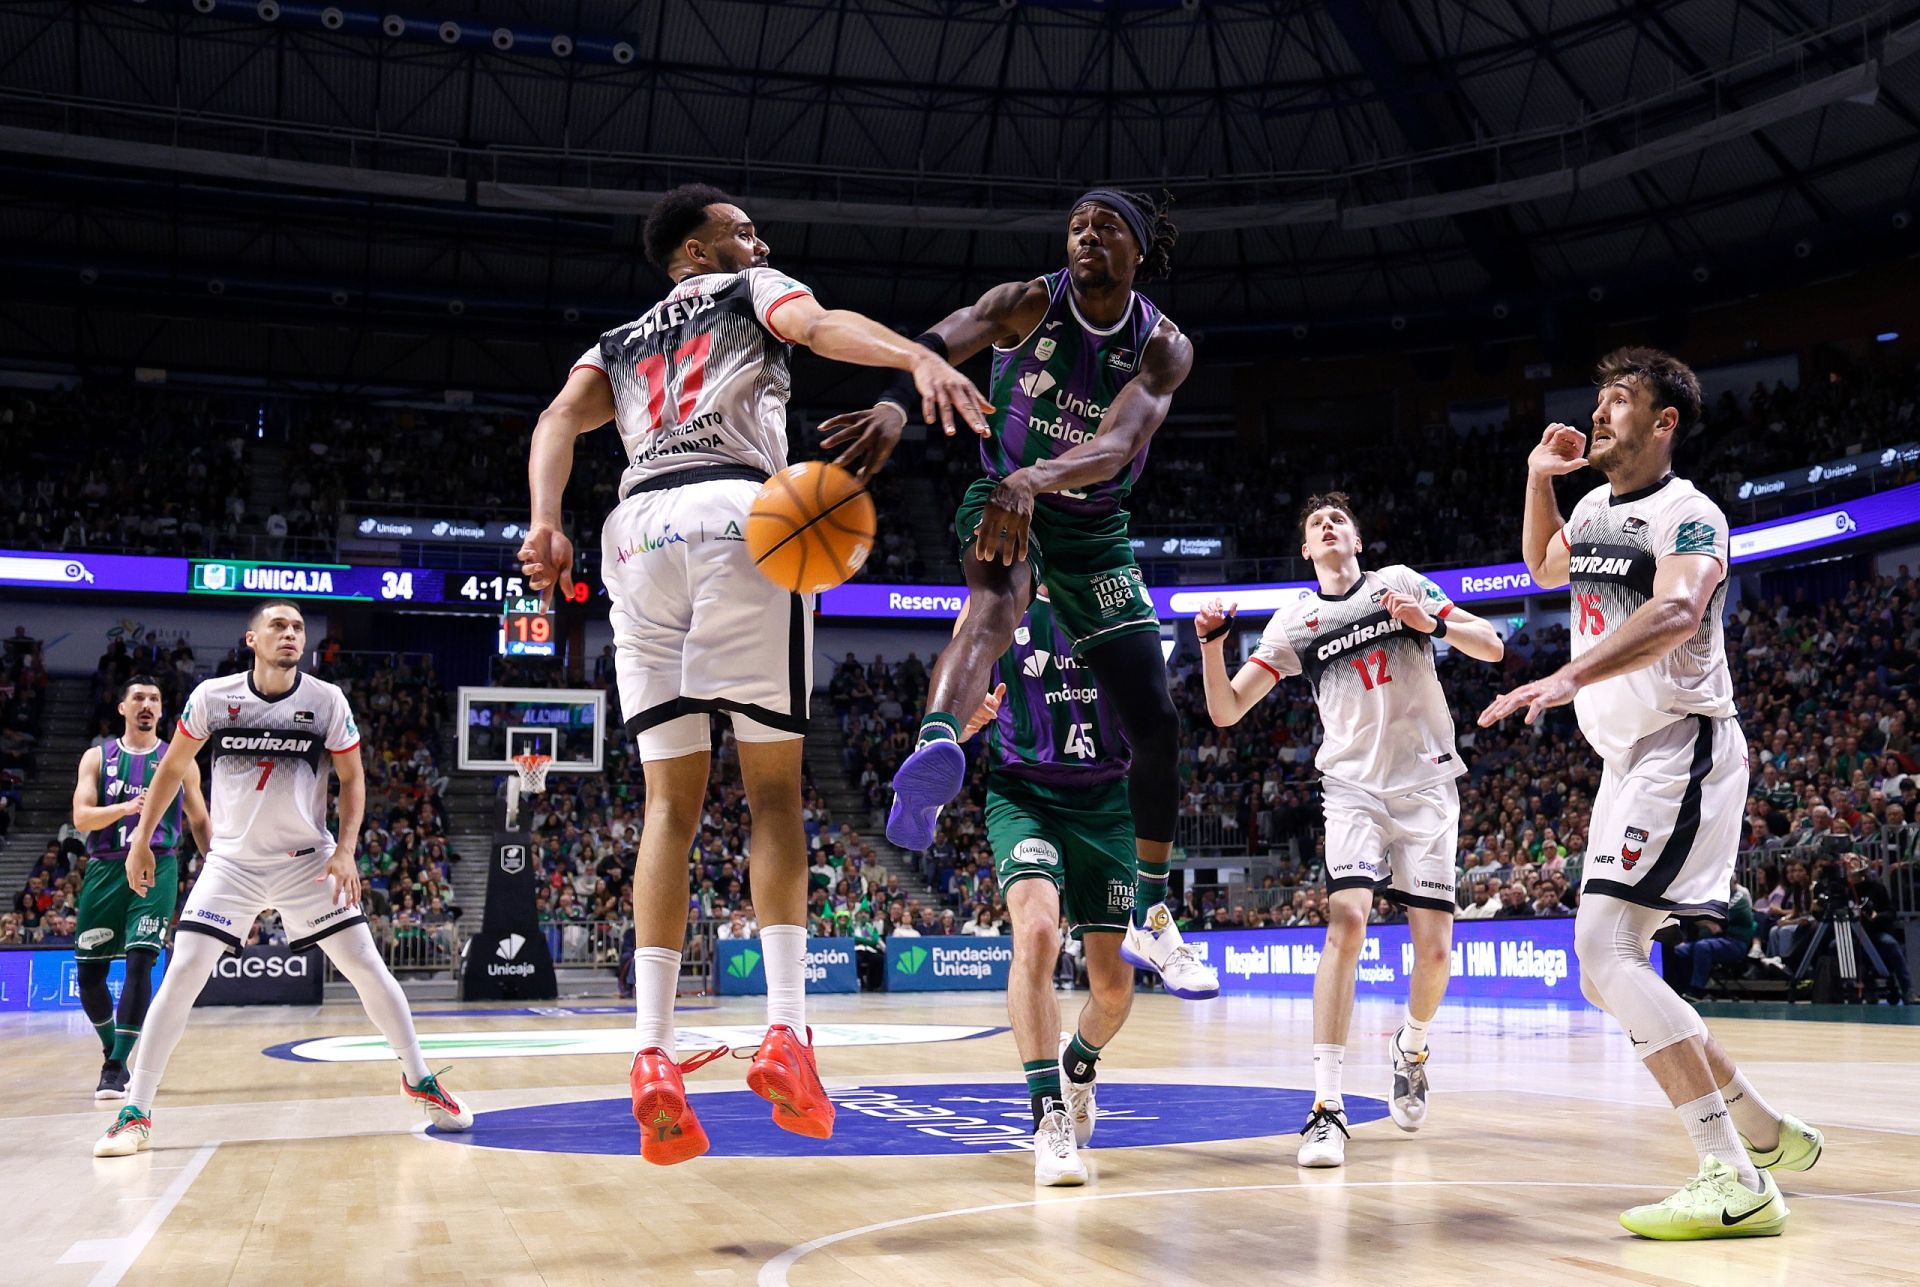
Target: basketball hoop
{"points": [[533, 771]]}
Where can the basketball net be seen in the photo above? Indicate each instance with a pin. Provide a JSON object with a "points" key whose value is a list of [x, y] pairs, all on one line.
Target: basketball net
{"points": [[531, 779]]}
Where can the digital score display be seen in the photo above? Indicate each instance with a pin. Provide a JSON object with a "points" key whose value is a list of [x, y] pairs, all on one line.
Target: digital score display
{"points": [[525, 630]]}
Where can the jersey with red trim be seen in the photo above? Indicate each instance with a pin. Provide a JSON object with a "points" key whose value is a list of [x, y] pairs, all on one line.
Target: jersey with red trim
{"points": [[271, 757], [1385, 718], [1614, 544], [701, 378]]}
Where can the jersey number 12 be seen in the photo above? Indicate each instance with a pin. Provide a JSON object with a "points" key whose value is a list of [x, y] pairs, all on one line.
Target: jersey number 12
{"points": [[1377, 660]]}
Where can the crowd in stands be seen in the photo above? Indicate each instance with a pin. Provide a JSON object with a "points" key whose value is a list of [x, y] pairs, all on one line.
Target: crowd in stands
{"points": [[23, 690], [168, 471]]}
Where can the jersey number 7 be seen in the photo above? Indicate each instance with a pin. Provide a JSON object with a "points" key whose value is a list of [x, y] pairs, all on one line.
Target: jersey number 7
{"points": [[690, 364]]}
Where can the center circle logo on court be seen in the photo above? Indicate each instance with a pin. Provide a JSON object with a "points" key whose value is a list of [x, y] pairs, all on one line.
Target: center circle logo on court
{"points": [[943, 1119]]}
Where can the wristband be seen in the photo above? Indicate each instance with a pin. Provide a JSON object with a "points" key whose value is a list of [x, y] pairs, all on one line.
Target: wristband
{"points": [[1219, 631], [901, 391], [1439, 627]]}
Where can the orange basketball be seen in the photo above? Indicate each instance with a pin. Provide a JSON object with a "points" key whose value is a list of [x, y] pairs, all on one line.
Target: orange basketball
{"points": [[811, 527]]}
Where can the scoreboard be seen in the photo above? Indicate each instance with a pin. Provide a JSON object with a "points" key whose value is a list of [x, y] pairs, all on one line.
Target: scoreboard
{"points": [[526, 630], [337, 581]]}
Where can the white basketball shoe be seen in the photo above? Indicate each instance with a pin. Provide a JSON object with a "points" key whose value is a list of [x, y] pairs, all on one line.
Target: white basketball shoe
{"points": [[1079, 1099], [1326, 1136], [1157, 946], [1408, 1103], [1056, 1158]]}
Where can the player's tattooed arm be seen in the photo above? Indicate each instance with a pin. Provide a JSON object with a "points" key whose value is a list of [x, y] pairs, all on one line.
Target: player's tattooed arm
{"points": [[88, 813], [583, 404], [1562, 449], [1129, 424], [1228, 700]]}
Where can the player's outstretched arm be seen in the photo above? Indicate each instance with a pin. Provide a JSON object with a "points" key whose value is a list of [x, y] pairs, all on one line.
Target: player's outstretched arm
{"points": [[1228, 700], [167, 780], [583, 404], [1683, 586], [1004, 315], [843, 335], [198, 818], [1562, 449], [88, 813]]}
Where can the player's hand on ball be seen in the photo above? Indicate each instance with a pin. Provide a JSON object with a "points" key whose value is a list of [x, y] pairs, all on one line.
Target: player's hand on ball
{"points": [[988, 712], [870, 437], [1004, 524], [546, 558], [1562, 450], [946, 394], [1406, 609], [139, 866], [343, 875], [1538, 697], [1210, 618]]}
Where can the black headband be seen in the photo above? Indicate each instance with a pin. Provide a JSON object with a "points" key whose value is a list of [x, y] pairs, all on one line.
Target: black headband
{"points": [[1123, 205]]}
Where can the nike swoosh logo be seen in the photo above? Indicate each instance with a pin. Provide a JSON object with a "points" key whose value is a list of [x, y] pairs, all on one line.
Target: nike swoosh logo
{"points": [[1729, 1218]]}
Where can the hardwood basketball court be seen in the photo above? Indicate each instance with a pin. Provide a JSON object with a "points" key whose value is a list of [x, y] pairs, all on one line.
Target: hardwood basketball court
{"points": [[303, 1171]]}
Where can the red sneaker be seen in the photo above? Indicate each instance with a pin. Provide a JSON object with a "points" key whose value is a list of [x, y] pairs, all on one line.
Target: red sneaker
{"points": [[784, 1075], [669, 1130]]}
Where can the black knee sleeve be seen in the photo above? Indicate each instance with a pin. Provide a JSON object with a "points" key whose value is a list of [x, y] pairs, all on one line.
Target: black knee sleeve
{"points": [[137, 995], [1133, 678], [91, 976]]}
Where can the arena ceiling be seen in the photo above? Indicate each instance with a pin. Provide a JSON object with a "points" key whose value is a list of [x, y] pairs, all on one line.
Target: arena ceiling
{"points": [[452, 193]]}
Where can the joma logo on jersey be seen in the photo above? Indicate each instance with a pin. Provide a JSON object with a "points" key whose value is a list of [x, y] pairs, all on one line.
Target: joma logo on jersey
{"points": [[1599, 565], [1354, 637]]}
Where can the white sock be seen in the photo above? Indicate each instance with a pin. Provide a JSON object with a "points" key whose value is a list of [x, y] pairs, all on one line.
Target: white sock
{"points": [[1710, 1127], [1327, 1062], [1752, 1116], [656, 982], [354, 953], [1415, 1039], [194, 956], [785, 948]]}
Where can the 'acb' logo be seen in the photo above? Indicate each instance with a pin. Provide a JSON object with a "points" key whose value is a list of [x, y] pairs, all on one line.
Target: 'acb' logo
{"points": [[513, 859]]}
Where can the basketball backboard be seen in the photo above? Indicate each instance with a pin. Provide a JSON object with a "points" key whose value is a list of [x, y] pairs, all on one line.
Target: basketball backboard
{"points": [[497, 723]]}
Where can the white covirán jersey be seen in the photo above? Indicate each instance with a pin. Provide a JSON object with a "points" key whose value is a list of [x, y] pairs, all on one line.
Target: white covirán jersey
{"points": [[701, 378], [1613, 543], [271, 758], [1388, 729]]}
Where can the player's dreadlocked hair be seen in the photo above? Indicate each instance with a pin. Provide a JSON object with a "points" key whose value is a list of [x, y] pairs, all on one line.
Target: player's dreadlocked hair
{"points": [[1669, 381], [675, 217], [1330, 500], [1157, 261]]}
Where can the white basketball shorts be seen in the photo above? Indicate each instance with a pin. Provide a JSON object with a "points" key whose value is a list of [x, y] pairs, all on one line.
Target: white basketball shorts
{"points": [[231, 892], [696, 628], [1398, 845], [1667, 821]]}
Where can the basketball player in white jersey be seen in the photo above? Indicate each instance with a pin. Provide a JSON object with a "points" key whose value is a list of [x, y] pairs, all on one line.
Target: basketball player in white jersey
{"points": [[697, 387], [1388, 763], [272, 731], [1646, 556]]}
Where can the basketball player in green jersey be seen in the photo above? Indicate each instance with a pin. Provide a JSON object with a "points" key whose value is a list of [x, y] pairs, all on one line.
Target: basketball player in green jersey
{"points": [[112, 920], [1084, 370], [1062, 836]]}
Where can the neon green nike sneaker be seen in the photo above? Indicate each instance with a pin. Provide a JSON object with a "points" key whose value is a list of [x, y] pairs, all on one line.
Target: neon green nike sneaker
{"points": [[1714, 1204], [1799, 1148]]}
